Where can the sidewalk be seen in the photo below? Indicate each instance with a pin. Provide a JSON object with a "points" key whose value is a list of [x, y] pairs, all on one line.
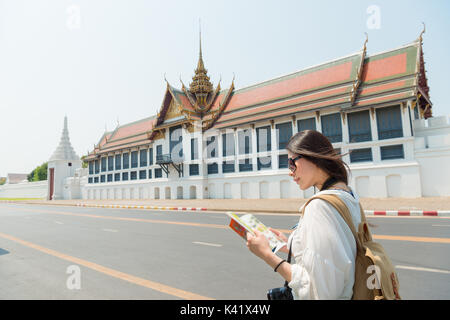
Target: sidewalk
{"points": [[379, 205]]}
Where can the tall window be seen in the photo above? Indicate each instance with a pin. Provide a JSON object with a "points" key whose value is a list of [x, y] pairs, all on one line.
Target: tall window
{"points": [[306, 124], [134, 159], [150, 156], [416, 113], [176, 143], [194, 149], [97, 166], [228, 144], [126, 160], [331, 127], [359, 126], [103, 164], [158, 154], [110, 163], [284, 133], [143, 158], [389, 123], [211, 147], [245, 141], [264, 143], [263, 139], [118, 161], [91, 167]]}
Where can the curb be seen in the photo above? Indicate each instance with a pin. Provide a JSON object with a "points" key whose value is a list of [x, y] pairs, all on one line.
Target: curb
{"points": [[415, 213], [139, 207], [398, 213], [370, 213]]}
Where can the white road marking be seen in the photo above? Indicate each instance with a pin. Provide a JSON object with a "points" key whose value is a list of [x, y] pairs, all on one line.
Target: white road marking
{"points": [[110, 230], [58, 222], [423, 269], [207, 244], [440, 225]]}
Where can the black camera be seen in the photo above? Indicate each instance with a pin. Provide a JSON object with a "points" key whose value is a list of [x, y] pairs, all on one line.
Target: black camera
{"points": [[283, 293]]}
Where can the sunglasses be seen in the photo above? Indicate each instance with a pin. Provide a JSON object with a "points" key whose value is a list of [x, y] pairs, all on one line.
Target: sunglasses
{"points": [[291, 163]]}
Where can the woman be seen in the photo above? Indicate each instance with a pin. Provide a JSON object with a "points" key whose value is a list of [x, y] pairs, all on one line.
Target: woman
{"points": [[323, 247]]}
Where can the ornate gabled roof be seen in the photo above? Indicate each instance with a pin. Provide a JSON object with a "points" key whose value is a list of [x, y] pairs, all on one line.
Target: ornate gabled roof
{"points": [[327, 84], [64, 151], [394, 76], [126, 136], [352, 82]]}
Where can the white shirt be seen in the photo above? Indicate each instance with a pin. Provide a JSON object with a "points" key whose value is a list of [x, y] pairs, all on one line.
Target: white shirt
{"points": [[324, 250]]}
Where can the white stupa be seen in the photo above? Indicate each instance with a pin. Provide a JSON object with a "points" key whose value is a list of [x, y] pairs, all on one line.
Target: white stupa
{"points": [[61, 165]]}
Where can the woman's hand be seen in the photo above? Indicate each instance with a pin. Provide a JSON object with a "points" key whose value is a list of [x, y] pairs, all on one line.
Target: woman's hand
{"points": [[281, 237], [258, 244]]}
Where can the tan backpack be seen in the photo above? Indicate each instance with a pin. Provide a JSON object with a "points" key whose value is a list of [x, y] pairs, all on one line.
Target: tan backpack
{"points": [[375, 276]]}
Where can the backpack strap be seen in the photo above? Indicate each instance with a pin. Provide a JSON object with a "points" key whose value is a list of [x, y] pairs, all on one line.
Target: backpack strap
{"points": [[342, 209]]}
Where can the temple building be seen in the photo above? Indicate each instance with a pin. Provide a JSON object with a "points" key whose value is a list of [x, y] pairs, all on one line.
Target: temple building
{"points": [[212, 142], [62, 165]]}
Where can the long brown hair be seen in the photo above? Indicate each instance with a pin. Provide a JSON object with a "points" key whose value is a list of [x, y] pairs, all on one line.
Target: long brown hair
{"points": [[315, 147]]}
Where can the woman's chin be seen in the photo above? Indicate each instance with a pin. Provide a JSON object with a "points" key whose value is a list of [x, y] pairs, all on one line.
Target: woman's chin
{"points": [[303, 187]]}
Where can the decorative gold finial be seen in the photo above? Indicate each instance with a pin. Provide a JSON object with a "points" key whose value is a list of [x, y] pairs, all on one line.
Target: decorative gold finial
{"points": [[200, 35], [367, 40], [200, 86], [421, 33]]}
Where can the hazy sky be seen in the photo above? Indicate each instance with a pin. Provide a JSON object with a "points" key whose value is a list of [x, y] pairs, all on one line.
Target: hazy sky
{"points": [[103, 61]]}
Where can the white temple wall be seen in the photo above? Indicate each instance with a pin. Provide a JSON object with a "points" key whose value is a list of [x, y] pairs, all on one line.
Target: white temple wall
{"points": [[36, 189], [432, 152]]}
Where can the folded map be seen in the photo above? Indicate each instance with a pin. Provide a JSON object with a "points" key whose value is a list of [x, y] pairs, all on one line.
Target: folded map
{"points": [[248, 223]]}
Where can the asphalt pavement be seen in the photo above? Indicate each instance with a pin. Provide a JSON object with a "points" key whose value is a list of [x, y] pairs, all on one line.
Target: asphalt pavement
{"points": [[69, 252]]}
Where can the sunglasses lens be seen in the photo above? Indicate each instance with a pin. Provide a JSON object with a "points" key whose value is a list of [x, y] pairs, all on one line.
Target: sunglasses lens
{"points": [[291, 164]]}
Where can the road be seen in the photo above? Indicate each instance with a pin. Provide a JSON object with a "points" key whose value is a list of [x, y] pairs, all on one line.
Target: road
{"points": [[65, 252]]}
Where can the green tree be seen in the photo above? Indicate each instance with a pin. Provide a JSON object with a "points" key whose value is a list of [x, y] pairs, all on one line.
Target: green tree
{"points": [[84, 164], [2, 181], [39, 173]]}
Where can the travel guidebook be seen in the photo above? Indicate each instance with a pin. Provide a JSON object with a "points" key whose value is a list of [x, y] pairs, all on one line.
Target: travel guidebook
{"points": [[248, 223]]}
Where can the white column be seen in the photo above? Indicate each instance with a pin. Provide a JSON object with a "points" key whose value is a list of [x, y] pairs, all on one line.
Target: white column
{"points": [[274, 153], [344, 124], [405, 120], [254, 149], [236, 152], [219, 153]]}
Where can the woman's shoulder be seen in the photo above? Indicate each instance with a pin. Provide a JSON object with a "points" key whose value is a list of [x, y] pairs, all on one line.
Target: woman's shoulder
{"points": [[350, 199]]}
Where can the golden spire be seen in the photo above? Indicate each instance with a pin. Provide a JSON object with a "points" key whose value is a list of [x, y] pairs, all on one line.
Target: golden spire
{"points": [[200, 85]]}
